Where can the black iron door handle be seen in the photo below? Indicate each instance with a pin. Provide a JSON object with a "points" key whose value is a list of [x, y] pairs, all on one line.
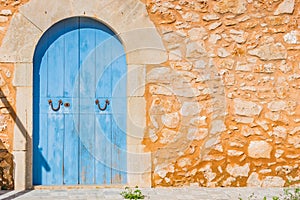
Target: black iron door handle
{"points": [[58, 107], [97, 102]]}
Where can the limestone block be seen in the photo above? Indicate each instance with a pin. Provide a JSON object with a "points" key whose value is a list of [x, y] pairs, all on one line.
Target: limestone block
{"points": [[210, 17], [259, 149], [43, 15], [142, 180], [136, 153], [270, 52], [238, 36], [136, 78], [20, 40], [172, 38], [214, 38], [277, 105], [217, 126], [22, 130], [273, 181], [197, 33], [244, 67], [163, 169], [278, 153], [235, 153], [160, 75], [292, 37], [253, 180], [279, 132], [20, 170], [147, 49], [197, 133], [171, 120], [195, 49], [169, 136], [3, 19], [233, 6], [190, 108], [191, 17], [212, 142], [136, 119], [23, 75], [237, 170], [295, 141], [6, 12], [162, 90], [184, 162], [223, 53], [286, 7], [175, 55], [214, 25], [2, 81], [246, 108]]}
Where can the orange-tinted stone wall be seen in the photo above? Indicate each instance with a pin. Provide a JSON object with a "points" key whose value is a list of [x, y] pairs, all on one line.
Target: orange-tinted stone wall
{"points": [[7, 100], [224, 109]]}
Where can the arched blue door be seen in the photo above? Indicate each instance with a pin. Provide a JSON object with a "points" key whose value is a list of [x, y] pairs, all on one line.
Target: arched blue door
{"points": [[79, 106]]}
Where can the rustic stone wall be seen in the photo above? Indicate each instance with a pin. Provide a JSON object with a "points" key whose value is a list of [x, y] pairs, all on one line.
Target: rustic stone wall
{"points": [[223, 110], [7, 100]]}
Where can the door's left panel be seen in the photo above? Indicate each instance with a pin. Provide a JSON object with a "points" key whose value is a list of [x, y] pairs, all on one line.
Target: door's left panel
{"points": [[55, 139]]}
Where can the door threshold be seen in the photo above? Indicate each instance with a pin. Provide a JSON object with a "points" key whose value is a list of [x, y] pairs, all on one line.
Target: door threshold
{"points": [[70, 187]]}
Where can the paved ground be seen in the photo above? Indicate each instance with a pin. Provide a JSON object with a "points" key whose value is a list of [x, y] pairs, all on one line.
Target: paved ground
{"points": [[188, 193]]}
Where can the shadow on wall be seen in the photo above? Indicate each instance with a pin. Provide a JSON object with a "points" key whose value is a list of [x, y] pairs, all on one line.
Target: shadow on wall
{"points": [[6, 168], [6, 158]]}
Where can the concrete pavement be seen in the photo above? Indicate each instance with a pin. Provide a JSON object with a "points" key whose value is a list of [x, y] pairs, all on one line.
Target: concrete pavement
{"points": [[185, 193]]}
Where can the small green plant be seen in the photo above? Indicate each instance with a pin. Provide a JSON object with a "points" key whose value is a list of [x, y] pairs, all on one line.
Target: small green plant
{"points": [[132, 194], [288, 194]]}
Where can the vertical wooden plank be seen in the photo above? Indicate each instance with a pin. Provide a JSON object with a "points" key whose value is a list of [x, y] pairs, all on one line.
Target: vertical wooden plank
{"points": [[55, 68], [71, 95], [55, 148], [103, 64], [103, 147], [42, 78], [71, 145], [119, 163], [40, 151], [71, 58], [40, 164], [87, 99]]}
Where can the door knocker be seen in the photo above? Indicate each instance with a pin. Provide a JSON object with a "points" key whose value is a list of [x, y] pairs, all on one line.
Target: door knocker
{"points": [[58, 107], [105, 106]]}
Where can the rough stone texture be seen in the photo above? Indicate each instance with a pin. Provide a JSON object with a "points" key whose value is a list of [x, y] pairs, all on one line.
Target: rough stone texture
{"points": [[287, 6], [170, 120], [233, 6], [259, 149], [244, 59], [236, 170], [246, 108], [270, 52], [253, 180], [273, 181]]}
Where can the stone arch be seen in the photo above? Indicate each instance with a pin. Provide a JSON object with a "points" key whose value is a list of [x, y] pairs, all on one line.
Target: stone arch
{"points": [[129, 19]]}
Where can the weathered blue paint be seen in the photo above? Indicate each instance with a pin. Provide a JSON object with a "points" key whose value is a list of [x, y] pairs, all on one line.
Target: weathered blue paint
{"points": [[79, 60]]}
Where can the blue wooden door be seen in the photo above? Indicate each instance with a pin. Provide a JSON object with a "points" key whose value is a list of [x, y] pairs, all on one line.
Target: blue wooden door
{"points": [[79, 69]]}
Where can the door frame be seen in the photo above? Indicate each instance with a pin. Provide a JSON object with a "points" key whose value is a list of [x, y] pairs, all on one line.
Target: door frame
{"points": [[129, 21]]}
